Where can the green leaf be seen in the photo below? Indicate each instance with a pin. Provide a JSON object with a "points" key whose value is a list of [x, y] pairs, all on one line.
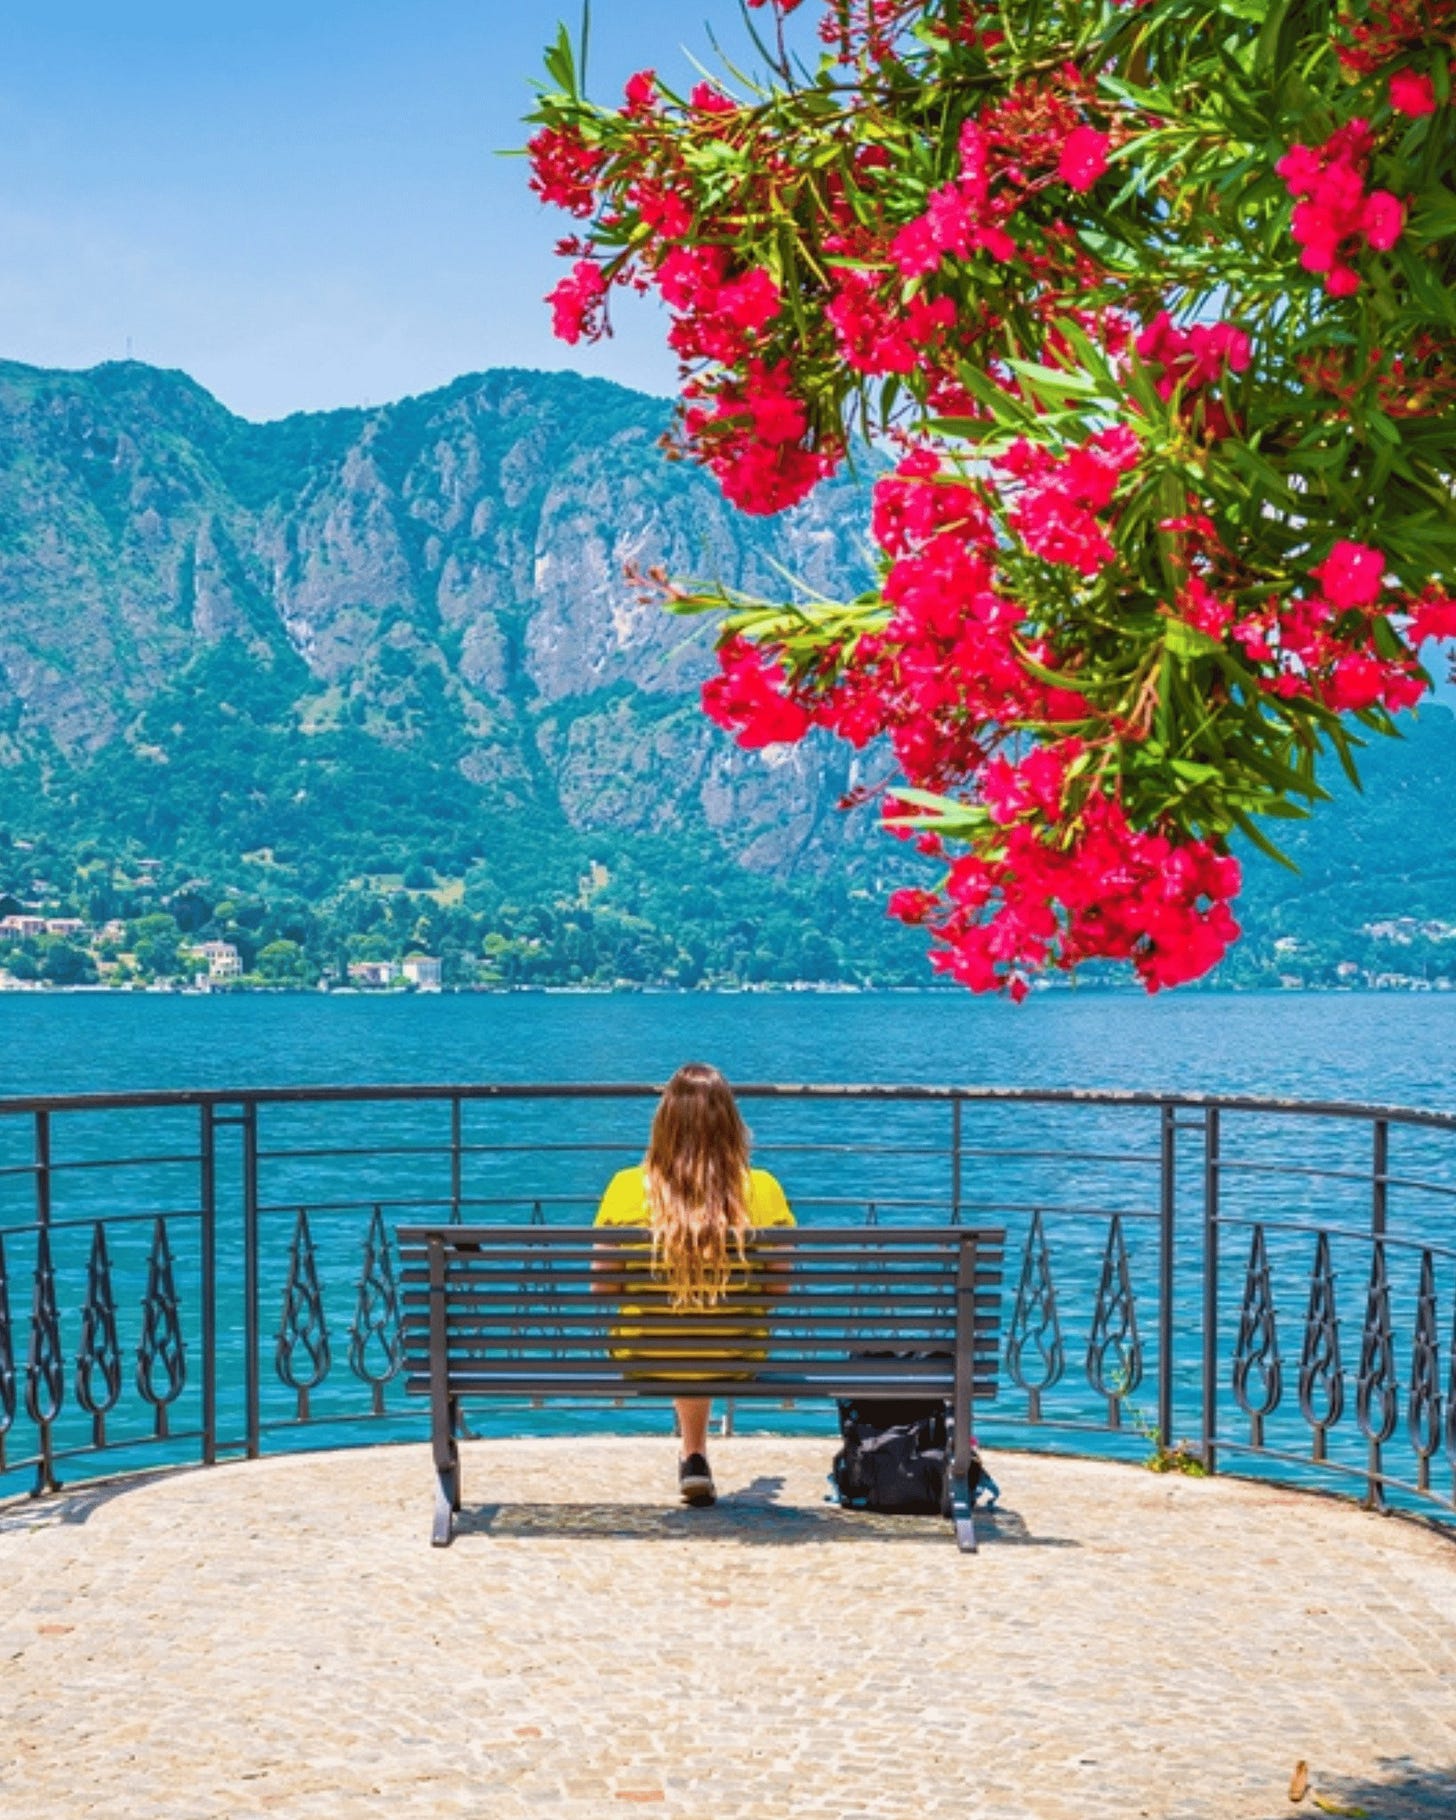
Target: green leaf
{"points": [[1183, 640], [1251, 832], [560, 64]]}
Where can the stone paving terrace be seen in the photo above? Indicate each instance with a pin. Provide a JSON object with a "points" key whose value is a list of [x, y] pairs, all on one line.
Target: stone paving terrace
{"points": [[279, 1638]]}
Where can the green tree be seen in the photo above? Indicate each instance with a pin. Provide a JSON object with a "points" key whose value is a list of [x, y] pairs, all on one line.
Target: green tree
{"points": [[66, 965], [154, 940], [284, 963]]}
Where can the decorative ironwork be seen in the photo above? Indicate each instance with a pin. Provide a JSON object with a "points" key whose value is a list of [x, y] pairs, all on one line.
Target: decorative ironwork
{"points": [[1377, 1390], [1256, 1351], [872, 1214], [1423, 1411], [1451, 1400], [98, 1362], [375, 1350], [1035, 1324], [1114, 1337], [45, 1371], [162, 1354], [7, 1357], [302, 1355], [1321, 1371]]}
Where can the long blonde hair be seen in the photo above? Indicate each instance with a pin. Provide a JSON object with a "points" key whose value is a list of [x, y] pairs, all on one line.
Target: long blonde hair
{"points": [[698, 1187]]}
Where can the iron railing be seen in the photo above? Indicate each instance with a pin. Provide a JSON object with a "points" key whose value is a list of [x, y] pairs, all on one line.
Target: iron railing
{"points": [[1263, 1286]]}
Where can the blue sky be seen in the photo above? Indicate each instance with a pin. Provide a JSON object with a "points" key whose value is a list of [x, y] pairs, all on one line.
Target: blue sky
{"points": [[299, 204]]}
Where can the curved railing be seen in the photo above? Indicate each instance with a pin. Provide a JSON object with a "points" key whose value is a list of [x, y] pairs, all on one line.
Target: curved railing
{"points": [[1259, 1285]]}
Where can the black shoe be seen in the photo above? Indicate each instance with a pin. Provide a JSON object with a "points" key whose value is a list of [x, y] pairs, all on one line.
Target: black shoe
{"points": [[695, 1480]]}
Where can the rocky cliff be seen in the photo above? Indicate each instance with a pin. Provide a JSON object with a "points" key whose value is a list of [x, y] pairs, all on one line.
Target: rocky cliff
{"points": [[447, 576]]}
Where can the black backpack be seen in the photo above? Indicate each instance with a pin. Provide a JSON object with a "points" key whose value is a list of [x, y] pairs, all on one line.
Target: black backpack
{"points": [[896, 1456]]}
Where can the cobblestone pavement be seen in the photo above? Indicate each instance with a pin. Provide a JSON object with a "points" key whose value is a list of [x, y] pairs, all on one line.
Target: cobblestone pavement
{"points": [[279, 1638]]}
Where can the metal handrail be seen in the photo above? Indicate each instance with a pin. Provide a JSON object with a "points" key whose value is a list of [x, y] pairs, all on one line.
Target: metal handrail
{"points": [[153, 1098]]}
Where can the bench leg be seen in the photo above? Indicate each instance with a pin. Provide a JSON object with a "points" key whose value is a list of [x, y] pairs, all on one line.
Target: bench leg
{"points": [[960, 1506], [447, 1502], [447, 1480]]}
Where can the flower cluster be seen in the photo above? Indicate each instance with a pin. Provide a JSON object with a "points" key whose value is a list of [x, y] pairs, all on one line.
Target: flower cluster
{"points": [[576, 303], [564, 171], [1050, 894], [1192, 362], [1335, 215], [1381, 32], [1159, 516], [746, 697], [1056, 511]]}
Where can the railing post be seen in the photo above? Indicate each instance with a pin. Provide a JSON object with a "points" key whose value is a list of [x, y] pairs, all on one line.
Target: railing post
{"points": [[1166, 1276], [252, 1390], [956, 1157], [1209, 1447], [43, 1369], [207, 1204], [456, 1159], [1379, 1215]]}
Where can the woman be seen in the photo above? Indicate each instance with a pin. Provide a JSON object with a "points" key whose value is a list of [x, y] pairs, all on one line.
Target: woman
{"points": [[698, 1194]]}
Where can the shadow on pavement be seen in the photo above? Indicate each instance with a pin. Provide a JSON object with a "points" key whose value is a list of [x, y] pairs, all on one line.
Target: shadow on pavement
{"points": [[750, 1516], [1400, 1790], [78, 1506]]}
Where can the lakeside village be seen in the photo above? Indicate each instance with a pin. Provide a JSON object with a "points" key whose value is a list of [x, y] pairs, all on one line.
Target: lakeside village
{"points": [[45, 949], [39, 952], [124, 924], [85, 919]]}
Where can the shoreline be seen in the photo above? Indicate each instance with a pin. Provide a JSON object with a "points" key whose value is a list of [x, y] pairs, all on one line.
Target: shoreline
{"points": [[774, 989]]}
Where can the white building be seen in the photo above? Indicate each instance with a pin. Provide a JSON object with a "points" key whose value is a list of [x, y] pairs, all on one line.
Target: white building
{"points": [[223, 960], [17, 928], [373, 973], [423, 970]]}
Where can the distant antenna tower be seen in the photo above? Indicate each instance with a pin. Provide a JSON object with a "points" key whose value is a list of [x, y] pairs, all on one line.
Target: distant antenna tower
{"points": [[128, 347]]}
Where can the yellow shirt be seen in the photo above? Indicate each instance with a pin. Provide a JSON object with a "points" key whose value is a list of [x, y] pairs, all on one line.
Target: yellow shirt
{"points": [[625, 1204]]}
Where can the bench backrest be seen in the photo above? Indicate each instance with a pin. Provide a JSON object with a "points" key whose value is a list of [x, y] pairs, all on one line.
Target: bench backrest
{"points": [[837, 1311]]}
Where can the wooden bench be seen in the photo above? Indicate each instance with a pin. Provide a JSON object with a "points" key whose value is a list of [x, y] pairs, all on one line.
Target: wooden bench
{"points": [[827, 1311]]}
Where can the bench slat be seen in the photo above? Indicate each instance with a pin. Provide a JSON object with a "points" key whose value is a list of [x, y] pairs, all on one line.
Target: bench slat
{"points": [[640, 1282], [829, 1376], [941, 1238], [583, 1306], [610, 1344], [666, 1384]]}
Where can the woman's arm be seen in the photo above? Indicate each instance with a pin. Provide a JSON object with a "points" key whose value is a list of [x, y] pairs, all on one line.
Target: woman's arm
{"points": [[608, 1272], [773, 1213]]}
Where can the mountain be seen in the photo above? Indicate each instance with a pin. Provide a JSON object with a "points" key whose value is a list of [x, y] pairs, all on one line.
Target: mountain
{"points": [[368, 678], [296, 657], [447, 575]]}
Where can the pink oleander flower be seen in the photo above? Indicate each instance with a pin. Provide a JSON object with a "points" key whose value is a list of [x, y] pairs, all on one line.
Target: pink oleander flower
{"points": [[1433, 616], [641, 92], [1412, 94], [1084, 157], [748, 698], [576, 303], [1382, 220], [1352, 575], [564, 170]]}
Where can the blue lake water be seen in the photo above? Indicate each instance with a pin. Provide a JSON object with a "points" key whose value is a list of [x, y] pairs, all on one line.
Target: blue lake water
{"points": [[1380, 1047], [1077, 1171]]}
